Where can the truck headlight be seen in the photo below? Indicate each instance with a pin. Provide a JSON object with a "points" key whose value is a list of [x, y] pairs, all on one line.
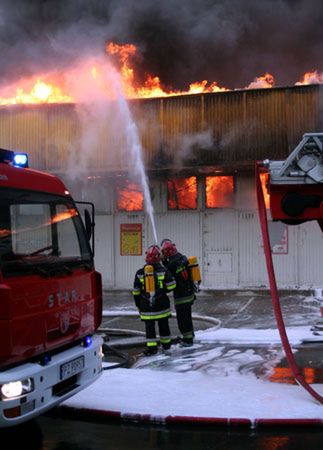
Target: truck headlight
{"points": [[16, 388]]}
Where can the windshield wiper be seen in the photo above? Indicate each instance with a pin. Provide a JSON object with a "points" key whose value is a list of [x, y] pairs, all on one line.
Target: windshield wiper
{"points": [[41, 250]]}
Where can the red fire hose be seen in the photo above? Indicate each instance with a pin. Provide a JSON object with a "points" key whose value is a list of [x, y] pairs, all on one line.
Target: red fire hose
{"points": [[274, 291]]}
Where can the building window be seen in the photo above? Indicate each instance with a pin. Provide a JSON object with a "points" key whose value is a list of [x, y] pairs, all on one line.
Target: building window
{"points": [[129, 196], [182, 193], [97, 189], [219, 191]]}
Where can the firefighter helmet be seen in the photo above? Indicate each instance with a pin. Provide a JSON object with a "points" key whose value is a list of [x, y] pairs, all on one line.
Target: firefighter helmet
{"points": [[168, 248], [153, 254], [163, 242]]}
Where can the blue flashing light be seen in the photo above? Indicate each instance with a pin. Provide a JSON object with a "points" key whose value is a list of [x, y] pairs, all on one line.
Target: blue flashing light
{"points": [[20, 160], [45, 359], [87, 341]]}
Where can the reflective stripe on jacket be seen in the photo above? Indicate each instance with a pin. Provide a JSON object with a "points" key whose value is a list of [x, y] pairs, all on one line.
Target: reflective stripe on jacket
{"points": [[156, 305]]}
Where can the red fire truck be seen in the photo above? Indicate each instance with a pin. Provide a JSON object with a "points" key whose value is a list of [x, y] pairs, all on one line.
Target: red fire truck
{"points": [[50, 293]]}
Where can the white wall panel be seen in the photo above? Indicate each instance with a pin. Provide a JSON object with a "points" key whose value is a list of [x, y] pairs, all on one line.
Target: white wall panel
{"points": [[182, 227], [310, 246], [220, 247], [252, 264]]}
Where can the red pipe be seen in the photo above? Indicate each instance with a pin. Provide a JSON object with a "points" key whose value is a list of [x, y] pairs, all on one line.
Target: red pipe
{"points": [[274, 291]]}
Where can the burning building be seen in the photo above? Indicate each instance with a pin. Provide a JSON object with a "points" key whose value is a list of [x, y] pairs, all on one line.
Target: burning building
{"points": [[199, 153], [193, 143]]}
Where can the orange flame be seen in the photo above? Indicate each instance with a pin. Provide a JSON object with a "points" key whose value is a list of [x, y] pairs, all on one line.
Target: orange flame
{"points": [[4, 232], [201, 87], [124, 52], [182, 193], [219, 191], [41, 92], [129, 197], [46, 90], [266, 81], [59, 217], [152, 86], [285, 375], [311, 78], [264, 183]]}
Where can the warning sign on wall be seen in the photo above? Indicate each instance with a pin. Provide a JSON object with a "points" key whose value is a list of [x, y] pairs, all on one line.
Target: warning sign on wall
{"points": [[130, 239], [278, 233]]}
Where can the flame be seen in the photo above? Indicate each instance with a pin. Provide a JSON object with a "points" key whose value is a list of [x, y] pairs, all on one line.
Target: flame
{"points": [[41, 92], [285, 375], [311, 78], [266, 81], [124, 52], [201, 87], [59, 217], [264, 183], [129, 197], [182, 193], [152, 86], [4, 233], [219, 191], [47, 89]]}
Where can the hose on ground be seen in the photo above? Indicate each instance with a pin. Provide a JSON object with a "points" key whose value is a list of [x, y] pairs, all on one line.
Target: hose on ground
{"points": [[132, 341], [126, 360]]}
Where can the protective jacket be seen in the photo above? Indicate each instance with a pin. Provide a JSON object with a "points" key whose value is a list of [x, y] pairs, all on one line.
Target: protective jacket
{"points": [[157, 305], [184, 291]]}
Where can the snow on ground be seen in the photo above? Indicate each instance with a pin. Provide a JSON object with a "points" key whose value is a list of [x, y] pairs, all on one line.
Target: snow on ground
{"points": [[209, 380]]}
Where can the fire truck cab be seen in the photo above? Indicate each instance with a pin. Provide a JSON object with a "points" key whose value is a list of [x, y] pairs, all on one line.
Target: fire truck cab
{"points": [[50, 294]]}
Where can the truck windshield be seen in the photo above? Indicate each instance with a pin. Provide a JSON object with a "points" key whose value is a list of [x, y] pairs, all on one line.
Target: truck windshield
{"points": [[39, 232]]}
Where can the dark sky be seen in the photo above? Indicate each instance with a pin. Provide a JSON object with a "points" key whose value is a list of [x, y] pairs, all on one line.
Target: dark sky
{"points": [[181, 41]]}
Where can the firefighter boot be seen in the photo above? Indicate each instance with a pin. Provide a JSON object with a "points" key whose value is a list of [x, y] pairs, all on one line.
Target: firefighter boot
{"points": [[166, 346], [186, 342], [150, 351]]}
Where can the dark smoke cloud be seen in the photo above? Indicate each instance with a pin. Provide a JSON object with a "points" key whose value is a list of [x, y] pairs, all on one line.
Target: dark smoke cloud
{"points": [[230, 41]]}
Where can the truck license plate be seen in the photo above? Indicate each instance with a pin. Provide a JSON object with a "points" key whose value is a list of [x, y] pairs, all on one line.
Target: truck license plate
{"points": [[72, 367]]}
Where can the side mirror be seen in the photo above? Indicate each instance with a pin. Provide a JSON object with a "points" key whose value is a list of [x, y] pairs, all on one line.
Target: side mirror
{"points": [[88, 223]]}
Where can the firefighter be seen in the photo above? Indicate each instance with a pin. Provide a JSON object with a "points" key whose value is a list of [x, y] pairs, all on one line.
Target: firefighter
{"points": [[184, 293], [151, 285]]}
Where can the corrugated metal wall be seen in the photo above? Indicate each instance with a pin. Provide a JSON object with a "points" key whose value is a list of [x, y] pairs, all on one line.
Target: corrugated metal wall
{"points": [[243, 125]]}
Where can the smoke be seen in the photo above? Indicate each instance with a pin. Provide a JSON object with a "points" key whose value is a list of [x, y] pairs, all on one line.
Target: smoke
{"points": [[187, 143], [228, 41], [95, 95], [107, 127]]}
